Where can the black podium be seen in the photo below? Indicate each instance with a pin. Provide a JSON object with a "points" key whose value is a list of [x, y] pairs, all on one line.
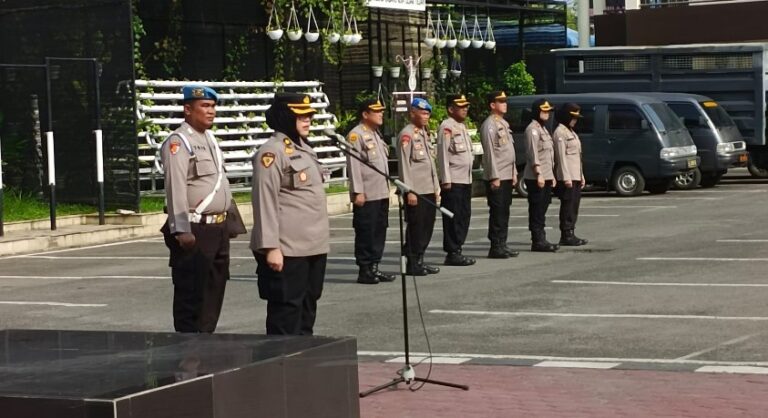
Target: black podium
{"points": [[99, 374]]}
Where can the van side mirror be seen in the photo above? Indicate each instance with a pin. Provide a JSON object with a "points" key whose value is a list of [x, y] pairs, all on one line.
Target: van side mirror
{"points": [[644, 125]]}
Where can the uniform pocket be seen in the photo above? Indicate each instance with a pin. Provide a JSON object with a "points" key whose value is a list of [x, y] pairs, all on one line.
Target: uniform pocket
{"points": [[458, 145], [204, 166], [545, 145], [419, 152], [300, 173]]}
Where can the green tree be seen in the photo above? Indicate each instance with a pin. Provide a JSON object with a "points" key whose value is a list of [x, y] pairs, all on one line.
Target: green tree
{"points": [[518, 80]]}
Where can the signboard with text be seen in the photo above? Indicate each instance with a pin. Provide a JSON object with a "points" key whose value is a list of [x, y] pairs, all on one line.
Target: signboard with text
{"points": [[416, 5]]}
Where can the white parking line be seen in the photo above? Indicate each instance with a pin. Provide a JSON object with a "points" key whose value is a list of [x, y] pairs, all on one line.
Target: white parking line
{"points": [[435, 360], [732, 369], [743, 240], [718, 346], [560, 358], [610, 316], [112, 244], [64, 304], [614, 283], [577, 364], [698, 259]]}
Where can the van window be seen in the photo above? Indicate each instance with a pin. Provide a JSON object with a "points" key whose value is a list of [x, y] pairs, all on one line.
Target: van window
{"points": [[692, 118], [586, 125], [518, 118], [664, 118], [624, 118], [718, 115]]}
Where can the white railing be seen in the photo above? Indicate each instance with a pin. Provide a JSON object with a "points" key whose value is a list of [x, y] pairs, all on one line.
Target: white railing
{"points": [[240, 125]]}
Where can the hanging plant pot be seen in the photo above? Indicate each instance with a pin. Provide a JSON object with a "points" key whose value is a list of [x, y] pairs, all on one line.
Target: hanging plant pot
{"points": [[477, 35], [456, 73], [378, 70], [441, 43], [334, 37], [331, 29], [490, 44], [312, 35], [464, 43], [490, 39], [295, 35], [426, 73], [275, 34], [450, 34], [430, 39], [443, 74], [464, 40], [394, 72], [356, 38], [347, 38], [351, 34], [477, 44], [430, 42], [451, 43]]}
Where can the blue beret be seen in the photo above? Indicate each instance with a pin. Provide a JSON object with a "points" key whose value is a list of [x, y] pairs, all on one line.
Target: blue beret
{"points": [[194, 92], [423, 104]]}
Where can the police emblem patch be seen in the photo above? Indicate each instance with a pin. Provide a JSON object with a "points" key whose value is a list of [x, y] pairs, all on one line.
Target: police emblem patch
{"points": [[405, 139], [353, 137], [267, 159], [198, 92], [174, 147], [303, 176]]}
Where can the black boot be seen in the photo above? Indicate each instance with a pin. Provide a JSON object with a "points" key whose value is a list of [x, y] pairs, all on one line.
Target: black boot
{"points": [[540, 243], [414, 268], [428, 268], [498, 251], [568, 238], [457, 259], [366, 275], [383, 277], [511, 252]]}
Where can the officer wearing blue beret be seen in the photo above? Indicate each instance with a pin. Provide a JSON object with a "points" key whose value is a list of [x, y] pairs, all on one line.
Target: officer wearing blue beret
{"points": [[198, 198]]}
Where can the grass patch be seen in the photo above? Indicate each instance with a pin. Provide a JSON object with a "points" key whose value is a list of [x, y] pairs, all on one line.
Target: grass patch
{"points": [[20, 207]]}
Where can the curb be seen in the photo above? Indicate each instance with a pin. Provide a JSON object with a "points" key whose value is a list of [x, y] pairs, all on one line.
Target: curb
{"points": [[83, 230]]}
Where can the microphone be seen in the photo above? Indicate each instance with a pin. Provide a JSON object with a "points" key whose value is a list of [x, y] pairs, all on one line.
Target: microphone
{"points": [[338, 138]]}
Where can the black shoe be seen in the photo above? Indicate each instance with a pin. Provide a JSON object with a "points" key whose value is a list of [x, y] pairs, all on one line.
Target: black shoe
{"points": [[366, 275], [428, 268], [457, 259], [568, 238], [415, 269], [510, 252], [498, 252], [383, 277], [544, 247]]}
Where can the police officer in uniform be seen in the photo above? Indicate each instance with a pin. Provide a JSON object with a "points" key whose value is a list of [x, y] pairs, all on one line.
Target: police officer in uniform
{"points": [[500, 173], [569, 172], [198, 197], [539, 174], [369, 192], [290, 218], [417, 170], [454, 161]]}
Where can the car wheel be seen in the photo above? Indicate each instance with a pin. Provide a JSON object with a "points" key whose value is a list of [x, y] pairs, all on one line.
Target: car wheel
{"points": [[521, 188], [710, 180], [688, 180], [628, 181], [756, 171]]}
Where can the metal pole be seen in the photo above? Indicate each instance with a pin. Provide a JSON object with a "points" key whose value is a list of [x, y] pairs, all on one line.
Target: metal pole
{"points": [[49, 138], [99, 143], [2, 209], [582, 22]]}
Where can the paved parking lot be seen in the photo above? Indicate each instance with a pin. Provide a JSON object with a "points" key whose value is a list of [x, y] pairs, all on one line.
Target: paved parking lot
{"points": [[670, 282]]}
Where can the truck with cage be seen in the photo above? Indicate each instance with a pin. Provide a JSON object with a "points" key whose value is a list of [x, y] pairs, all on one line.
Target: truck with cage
{"points": [[734, 75]]}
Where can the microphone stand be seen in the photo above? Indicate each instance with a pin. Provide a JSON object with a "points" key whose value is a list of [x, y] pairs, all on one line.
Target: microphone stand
{"points": [[407, 374]]}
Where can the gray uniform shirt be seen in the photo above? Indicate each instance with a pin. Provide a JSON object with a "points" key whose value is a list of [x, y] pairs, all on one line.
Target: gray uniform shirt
{"points": [[454, 153], [368, 145], [416, 167], [567, 154], [498, 149], [288, 197], [539, 152], [191, 176]]}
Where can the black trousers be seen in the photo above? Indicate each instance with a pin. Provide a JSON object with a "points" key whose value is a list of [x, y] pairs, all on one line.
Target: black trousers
{"points": [[499, 201], [420, 225], [199, 277], [370, 223], [570, 199], [291, 294], [539, 199], [457, 199]]}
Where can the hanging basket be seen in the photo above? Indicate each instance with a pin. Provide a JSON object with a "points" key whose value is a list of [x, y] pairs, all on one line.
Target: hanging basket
{"points": [[331, 29], [378, 70], [426, 73], [394, 72], [441, 35], [477, 35], [310, 35], [464, 40], [490, 39], [443, 73], [351, 35], [334, 37], [456, 73], [431, 38], [274, 32], [292, 28], [451, 34]]}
